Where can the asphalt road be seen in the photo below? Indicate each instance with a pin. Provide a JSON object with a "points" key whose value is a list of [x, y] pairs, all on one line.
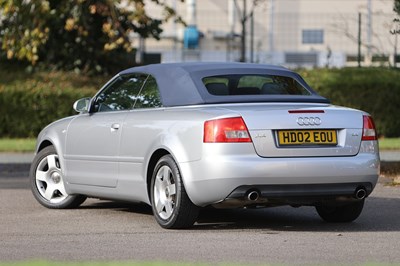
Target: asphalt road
{"points": [[104, 230]]}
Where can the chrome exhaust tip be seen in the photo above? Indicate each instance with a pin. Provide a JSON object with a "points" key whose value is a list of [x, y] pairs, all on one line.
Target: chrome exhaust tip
{"points": [[360, 193], [253, 195]]}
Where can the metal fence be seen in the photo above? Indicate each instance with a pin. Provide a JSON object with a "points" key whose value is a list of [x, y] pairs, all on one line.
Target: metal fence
{"points": [[322, 39]]}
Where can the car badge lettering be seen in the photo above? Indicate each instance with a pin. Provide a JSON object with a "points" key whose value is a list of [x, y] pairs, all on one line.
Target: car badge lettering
{"points": [[309, 121], [260, 135]]}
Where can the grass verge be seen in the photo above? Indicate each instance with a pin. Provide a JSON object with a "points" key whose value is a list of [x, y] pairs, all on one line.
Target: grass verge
{"points": [[48, 263], [17, 145], [41, 263], [389, 144]]}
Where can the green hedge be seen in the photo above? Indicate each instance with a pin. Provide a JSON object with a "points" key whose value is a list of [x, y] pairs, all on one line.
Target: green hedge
{"points": [[28, 102], [374, 90]]}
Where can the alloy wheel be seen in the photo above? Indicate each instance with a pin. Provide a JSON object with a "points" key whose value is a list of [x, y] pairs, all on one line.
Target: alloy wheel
{"points": [[165, 192], [49, 179]]}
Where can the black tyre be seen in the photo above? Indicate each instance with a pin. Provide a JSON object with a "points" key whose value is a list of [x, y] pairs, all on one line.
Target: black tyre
{"points": [[47, 182], [341, 214], [171, 205]]}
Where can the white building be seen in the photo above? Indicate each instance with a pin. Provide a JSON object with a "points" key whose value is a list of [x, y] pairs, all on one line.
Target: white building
{"points": [[288, 32]]}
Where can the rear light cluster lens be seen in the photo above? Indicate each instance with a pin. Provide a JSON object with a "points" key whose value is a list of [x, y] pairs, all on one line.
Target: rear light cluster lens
{"points": [[369, 131], [226, 130]]}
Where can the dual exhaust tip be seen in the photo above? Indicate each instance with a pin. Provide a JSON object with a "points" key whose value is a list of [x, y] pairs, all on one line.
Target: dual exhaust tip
{"points": [[359, 194]]}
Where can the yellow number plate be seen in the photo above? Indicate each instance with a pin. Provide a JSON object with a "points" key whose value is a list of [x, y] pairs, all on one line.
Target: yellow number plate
{"points": [[307, 137]]}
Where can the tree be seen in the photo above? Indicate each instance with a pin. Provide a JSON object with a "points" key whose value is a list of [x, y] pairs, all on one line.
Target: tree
{"points": [[396, 30], [244, 17], [76, 34], [396, 8]]}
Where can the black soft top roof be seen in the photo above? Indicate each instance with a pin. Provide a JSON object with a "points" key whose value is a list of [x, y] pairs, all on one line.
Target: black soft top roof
{"points": [[181, 83]]}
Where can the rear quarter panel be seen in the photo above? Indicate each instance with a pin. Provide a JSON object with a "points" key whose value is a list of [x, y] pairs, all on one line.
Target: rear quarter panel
{"points": [[177, 130]]}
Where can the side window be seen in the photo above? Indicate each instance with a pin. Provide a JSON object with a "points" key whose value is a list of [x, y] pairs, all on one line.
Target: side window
{"points": [[149, 97], [121, 94]]}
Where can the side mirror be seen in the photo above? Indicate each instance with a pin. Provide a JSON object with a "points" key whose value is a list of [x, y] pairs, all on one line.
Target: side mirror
{"points": [[82, 105]]}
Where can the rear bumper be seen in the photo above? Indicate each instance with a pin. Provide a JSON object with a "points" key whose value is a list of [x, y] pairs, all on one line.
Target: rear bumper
{"points": [[304, 194], [225, 173]]}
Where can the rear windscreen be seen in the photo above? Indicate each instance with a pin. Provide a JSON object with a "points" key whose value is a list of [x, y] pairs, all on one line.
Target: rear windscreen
{"points": [[253, 85]]}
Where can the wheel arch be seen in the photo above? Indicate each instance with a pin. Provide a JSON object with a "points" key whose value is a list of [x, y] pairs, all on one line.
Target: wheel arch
{"points": [[44, 144], [55, 140]]}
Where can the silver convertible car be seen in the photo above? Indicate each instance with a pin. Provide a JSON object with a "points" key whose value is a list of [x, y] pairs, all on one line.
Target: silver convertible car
{"points": [[184, 136]]}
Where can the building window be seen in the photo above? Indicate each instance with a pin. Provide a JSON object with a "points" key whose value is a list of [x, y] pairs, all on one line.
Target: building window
{"points": [[312, 36]]}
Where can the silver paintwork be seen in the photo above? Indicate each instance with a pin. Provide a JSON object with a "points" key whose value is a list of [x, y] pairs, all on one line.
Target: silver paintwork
{"points": [[105, 163], [82, 105], [109, 154]]}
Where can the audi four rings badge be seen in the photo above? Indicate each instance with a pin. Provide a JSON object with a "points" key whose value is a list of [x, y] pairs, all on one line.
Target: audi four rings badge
{"points": [[309, 121]]}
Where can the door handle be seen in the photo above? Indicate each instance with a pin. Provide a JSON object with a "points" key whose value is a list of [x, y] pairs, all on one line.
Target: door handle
{"points": [[115, 127]]}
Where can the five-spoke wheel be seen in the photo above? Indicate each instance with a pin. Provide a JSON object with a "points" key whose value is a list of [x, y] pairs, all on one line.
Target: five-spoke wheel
{"points": [[47, 181], [171, 205], [164, 192]]}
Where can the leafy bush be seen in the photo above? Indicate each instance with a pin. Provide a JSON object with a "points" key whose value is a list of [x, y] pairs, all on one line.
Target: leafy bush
{"points": [[374, 90], [28, 102]]}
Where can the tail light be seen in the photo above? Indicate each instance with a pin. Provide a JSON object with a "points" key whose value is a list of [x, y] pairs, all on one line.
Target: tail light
{"points": [[369, 131], [226, 130]]}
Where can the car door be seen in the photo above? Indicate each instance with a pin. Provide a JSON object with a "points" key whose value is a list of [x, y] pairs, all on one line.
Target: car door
{"points": [[140, 132], [92, 141]]}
